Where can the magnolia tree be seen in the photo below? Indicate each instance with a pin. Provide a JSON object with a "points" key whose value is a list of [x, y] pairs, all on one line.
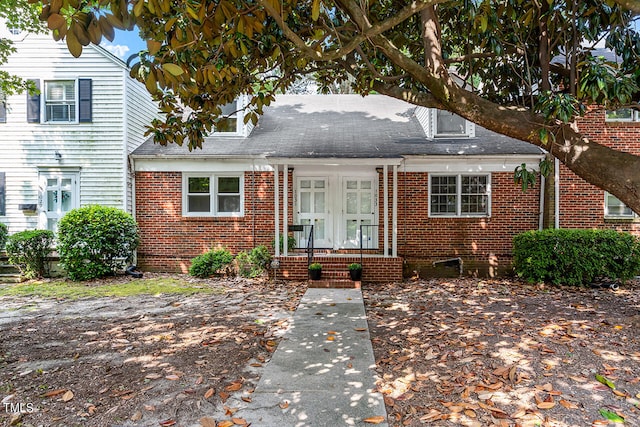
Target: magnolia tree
{"points": [[522, 68]]}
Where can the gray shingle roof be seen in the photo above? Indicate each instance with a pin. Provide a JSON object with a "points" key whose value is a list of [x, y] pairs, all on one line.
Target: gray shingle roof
{"points": [[341, 126]]}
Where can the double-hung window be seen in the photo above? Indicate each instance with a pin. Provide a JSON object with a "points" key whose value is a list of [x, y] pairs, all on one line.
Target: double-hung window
{"points": [[60, 101], [459, 195], [213, 195], [615, 208], [622, 115]]}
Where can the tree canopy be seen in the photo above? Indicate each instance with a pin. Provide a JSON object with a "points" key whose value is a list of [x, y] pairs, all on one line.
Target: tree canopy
{"points": [[22, 16], [522, 68]]}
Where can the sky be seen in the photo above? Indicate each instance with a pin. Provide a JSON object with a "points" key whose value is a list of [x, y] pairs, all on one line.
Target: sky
{"points": [[125, 44]]}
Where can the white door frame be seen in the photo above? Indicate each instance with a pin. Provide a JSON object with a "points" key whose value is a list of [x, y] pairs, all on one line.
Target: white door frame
{"points": [[67, 185]]}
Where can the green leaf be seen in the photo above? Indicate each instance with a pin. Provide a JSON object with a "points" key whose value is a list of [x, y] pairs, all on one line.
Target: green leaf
{"points": [[606, 381], [174, 69], [315, 10], [611, 416]]}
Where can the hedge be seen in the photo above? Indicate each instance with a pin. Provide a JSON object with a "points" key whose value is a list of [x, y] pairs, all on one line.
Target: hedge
{"points": [[575, 257]]}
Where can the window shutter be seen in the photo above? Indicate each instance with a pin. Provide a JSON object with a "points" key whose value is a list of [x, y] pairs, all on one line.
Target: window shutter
{"points": [[33, 105], [2, 194], [84, 100], [3, 109]]}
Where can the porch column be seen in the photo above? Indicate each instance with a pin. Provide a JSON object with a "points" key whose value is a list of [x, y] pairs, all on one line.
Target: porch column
{"points": [[385, 206], [276, 202], [394, 214], [285, 208]]}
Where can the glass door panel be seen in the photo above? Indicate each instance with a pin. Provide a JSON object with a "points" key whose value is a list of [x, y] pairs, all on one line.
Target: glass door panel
{"points": [[358, 213], [313, 210]]}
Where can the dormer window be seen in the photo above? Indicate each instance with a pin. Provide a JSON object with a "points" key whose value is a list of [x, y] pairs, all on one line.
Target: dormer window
{"points": [[448, 124], [229, 121]]}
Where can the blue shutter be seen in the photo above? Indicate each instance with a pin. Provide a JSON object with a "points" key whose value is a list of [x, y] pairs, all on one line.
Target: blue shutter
{"points": [[33, 105], [84, 100], [3, 193]]}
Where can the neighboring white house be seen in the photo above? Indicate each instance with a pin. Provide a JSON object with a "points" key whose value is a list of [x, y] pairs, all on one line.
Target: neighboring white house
{"points": [[67, 146]]}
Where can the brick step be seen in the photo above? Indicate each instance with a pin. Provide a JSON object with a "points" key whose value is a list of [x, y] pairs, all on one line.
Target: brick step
{"points": [[334, 283], [8, 269]]}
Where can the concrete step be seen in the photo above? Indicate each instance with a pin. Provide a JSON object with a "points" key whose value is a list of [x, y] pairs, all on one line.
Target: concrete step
{"points": [[10, 278]]}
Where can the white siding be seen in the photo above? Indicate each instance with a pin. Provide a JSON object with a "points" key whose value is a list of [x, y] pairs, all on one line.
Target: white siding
{"points": [[424, 118], [97, 150]]}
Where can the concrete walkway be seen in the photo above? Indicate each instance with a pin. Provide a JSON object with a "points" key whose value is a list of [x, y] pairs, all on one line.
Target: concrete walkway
{"points": [[322, 373]]}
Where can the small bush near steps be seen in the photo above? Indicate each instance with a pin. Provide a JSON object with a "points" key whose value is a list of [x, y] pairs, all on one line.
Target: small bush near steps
{"points": [[95, 241], [575, 257], [214, 262], [4, 234], [254, 263], [28, 250]]}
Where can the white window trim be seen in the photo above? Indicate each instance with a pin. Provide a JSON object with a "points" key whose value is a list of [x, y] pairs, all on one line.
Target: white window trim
{"points": [[213, 208], [43, 103], [607, 215], [635, 117], [470, 130], [459, 213], [241, 128]]}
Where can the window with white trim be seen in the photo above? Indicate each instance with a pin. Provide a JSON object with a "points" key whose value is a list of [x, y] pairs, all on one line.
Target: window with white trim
{"points": [[213, 195], [60, 103], [622, 115], [615, 208], [228, 123], [459, 195]]}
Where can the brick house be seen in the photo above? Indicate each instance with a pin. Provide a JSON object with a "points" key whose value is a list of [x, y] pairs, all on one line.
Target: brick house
{"points": [[412, 185]]}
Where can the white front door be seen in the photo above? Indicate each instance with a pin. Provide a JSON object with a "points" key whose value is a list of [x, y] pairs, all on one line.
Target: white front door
{"points": [[59, 194], [358, 213], [313, 209]]}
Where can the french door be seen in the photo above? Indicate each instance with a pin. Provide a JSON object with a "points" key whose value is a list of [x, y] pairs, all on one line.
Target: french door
{"points": [[59, 194], [358, 213], [313, 209]]}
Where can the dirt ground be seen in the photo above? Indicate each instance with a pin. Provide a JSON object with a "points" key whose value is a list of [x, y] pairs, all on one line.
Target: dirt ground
{"points": [[449, 352]]}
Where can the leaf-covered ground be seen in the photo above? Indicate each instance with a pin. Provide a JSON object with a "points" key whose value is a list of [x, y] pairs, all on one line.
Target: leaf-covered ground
{"points": [[483, 353], [463, 352]]}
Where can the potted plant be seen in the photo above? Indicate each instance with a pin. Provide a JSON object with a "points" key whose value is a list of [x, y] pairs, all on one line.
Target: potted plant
{"points": [[315, 270], [355, 271]]}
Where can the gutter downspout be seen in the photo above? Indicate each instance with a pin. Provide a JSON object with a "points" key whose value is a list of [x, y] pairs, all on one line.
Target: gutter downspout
{"points": [[132, 165], [556, 189]]}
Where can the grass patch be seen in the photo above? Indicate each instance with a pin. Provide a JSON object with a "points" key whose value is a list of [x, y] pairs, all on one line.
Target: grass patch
{"points": [[76, 290]]}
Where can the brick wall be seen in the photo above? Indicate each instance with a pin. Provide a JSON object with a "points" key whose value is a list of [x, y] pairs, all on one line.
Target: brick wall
{"points": [[582, 204], [484, 244], [169, 241]]}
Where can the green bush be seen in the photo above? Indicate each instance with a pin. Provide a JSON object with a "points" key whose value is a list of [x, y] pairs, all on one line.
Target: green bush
{"points": [[95, 241], [4, 234], [28, 250], [254, 263], [211, 263], [291, 243], [575, 257]]}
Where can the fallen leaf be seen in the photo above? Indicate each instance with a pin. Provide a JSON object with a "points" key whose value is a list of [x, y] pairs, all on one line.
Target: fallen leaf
{"points": [[55, 392], [374, 420], [137, 416], [153, 376], [284, 405], [567, 404], [359, 329], [223, 396], [207, 422], [67, 396], [470, 413], [233, 387], [546, 405], [209, 393], [604, 380], [167, 423], [225, 423], [331, 338], [199, 380], [611, 416], [172, 377], [239, 421]]}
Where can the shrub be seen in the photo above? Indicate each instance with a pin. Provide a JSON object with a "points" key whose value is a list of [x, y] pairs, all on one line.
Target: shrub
{"points": [[254, 263], [575, 257], [211, 263], [4, 234], [355, 266], [95, 241], [291, 243], [28, 250], [315, 266]]}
